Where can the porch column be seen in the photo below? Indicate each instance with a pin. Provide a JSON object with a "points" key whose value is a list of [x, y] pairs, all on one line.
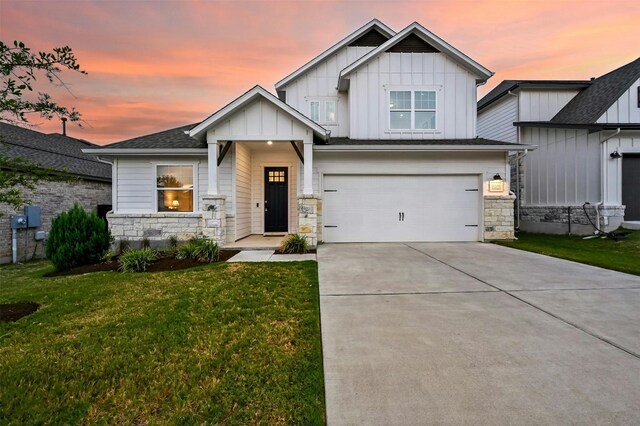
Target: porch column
{"points": [[307, 187], [212, 169]]}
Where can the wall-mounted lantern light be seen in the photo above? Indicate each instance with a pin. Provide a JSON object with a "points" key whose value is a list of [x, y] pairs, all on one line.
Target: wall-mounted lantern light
{"points": [[496, 184], [615, 155], [269, 142]]}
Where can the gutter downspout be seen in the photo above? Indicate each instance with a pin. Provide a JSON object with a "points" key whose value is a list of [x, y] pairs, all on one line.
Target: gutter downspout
{"points": [[603, 178], [114, 176]]}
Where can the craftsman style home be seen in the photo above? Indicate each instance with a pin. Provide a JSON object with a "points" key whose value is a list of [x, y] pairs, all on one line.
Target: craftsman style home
{"points": [[588, 138], [373, 140]]}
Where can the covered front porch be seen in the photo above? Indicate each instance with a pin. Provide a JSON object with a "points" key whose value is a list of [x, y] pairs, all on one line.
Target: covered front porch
{"points": [[260, 173]]}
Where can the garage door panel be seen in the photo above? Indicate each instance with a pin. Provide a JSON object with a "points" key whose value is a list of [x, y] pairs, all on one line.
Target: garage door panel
{"points": [[368, 208]]}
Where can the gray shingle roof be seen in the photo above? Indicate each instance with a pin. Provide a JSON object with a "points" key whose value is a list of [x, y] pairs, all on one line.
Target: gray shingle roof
{"points": [[52, 151], [505, 86], [472, 142], [589, 105], [172, 138]]}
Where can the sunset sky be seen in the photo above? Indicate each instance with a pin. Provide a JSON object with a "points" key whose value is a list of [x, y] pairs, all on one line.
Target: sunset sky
{"points": [[153, 65]]}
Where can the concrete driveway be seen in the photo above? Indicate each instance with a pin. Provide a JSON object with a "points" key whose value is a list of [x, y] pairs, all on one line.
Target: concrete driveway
{"points": [[462, 333]]}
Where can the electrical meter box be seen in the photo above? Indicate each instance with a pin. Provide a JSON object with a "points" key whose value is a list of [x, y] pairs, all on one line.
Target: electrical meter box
{"points": [[33, 216], [18, 221]]}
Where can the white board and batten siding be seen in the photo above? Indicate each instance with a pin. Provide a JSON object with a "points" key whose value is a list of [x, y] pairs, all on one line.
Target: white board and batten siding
{"points": [[626, 142], [564, 169], [260, 120], [319, 83], [455, 90], [542, 104], [626, 109], [496, 121], [243, 191]]}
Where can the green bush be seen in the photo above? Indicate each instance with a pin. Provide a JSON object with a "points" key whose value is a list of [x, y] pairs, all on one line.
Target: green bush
{"points": [[77, 238], [295, 243], [146, 243], [202, 249], [136, 260]]}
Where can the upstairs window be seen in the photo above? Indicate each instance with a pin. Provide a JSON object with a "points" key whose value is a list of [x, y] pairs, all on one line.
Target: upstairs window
{"points": [[322, 111], [174, 185], [412, 110]]}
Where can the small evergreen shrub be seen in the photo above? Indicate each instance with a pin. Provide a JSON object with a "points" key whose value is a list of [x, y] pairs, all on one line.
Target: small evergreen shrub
{"points": [[77, 238], [146, 243], [173, 242], [136, 260], [295, 243]]}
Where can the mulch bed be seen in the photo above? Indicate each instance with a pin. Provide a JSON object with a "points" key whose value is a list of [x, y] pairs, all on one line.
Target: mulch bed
{"points": [[310, 251], [159, 265], [11, 312]]}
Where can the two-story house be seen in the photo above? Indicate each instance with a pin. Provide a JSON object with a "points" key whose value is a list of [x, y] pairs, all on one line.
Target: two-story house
{"points": [[587, 134], [373, 140]]}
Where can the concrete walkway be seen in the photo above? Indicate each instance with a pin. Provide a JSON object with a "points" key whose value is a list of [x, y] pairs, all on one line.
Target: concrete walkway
{"points": [[474, 333], [269, 256]]}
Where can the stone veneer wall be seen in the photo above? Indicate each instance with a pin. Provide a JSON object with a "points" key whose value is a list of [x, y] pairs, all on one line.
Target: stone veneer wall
{"points": [[555, 219], [154, 226], [53, 198], [498, 217], [308, 206]]}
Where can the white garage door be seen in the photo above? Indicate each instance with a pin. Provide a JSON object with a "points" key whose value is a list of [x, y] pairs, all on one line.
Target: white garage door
{"points": [[376, 208]]}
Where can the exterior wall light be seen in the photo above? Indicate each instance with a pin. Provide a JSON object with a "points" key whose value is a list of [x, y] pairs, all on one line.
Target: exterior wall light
{"points": [[496, 184], [269, 142], [615, 155]]}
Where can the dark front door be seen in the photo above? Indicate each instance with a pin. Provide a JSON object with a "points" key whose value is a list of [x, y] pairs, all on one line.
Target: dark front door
{"points": [[631, 186], [276, 183]]}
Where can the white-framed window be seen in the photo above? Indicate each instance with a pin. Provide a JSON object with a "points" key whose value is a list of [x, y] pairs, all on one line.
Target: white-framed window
{"points": [[323, 110], [175, 187], [412, 110], [314, 111]]}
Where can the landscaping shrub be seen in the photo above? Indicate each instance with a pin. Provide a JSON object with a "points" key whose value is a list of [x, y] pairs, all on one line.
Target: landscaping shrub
{"points": [[77, 238], [173, 242], [295, 243], [202, 249], [146, 243], [123, 245], [136, 260]]}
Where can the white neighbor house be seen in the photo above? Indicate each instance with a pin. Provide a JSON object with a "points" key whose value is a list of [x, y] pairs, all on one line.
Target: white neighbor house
{"points": [[373, 140], [588, 138]]}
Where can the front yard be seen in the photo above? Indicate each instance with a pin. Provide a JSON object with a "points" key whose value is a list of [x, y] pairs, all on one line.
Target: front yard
{"points": [[623, 256], [222, 343]]}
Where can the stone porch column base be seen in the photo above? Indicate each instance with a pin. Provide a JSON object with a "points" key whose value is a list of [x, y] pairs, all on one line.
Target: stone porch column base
{"points": [[498, 217], [214, 218], [308, 218]]}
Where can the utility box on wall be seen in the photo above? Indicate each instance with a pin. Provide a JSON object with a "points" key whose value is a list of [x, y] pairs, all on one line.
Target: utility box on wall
{"points": [[18, 221], [32, 214]]}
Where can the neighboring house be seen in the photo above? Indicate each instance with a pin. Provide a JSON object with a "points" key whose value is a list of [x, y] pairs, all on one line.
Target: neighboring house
{"points": [[588, 138], [89, 184], [372, 140]]}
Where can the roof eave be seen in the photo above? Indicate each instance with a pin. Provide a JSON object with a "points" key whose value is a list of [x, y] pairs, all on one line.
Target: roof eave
{"points": [[345, 41], [145, 151], [585, 126], [398, 147], [481, 72], [247, 97]]}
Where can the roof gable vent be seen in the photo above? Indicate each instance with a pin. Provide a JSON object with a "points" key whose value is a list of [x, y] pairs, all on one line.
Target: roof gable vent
{"points": [[372, 38], [412, 44]]}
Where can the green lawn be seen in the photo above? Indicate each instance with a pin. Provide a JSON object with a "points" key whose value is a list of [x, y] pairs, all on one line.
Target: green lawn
{"points": [[222, 343], [623, 256]]}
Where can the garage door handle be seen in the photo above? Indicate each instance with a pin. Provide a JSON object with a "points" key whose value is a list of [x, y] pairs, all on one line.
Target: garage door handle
{"points": [[399, 217], [403, 216]]}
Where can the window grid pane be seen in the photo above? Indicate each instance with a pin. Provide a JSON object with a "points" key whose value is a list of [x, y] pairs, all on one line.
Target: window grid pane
{"points": [[425, 120], [330, 111], [400, 120], [315, 111], [400, 99], [425, 100]]}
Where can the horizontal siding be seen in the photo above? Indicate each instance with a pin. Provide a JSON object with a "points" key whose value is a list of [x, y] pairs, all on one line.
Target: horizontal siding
{"points": [[136, 187], [625, 109], [486, 164], [243, 192], [496, 122], [369, 104], [542, 105]]}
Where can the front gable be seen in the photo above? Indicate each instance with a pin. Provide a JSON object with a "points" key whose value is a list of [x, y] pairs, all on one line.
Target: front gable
{"points": [[626, 109]]}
